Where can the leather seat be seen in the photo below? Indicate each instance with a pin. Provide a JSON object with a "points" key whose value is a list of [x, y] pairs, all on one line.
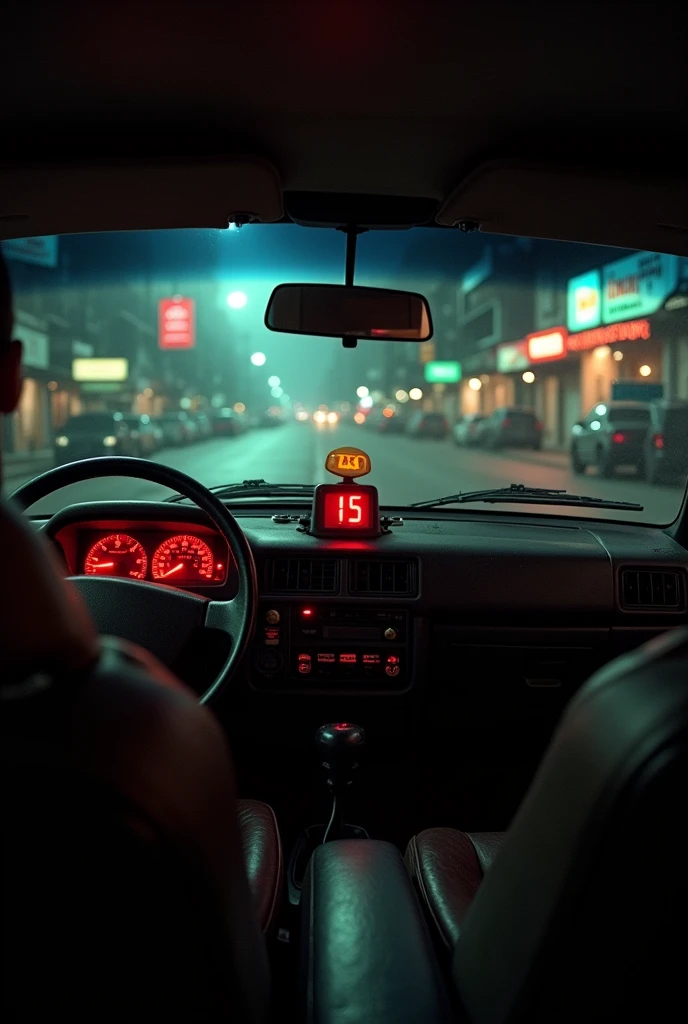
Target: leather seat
{"points": [[447, 868], [577, 912], [262, 846], [135, 887]]}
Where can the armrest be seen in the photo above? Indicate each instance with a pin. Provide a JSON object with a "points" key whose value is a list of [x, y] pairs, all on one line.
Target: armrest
{"points": [[367, 953]]}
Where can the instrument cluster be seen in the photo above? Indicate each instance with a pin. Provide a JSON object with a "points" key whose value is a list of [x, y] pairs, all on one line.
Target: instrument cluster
{"points": [[183, 559]]}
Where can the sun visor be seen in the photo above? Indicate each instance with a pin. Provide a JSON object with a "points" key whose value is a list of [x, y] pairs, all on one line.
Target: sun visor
{"points": [[578, 205], [131, 196]]}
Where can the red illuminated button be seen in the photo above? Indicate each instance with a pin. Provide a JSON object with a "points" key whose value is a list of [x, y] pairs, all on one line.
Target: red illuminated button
{"points": [[304, 663], [392, 670], [371, 659], [392, 659], [326, 659], [347, 659], [272, 636]]}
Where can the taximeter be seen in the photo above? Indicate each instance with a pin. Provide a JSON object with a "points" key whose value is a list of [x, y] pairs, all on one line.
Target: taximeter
{"points": [[347, 508]]}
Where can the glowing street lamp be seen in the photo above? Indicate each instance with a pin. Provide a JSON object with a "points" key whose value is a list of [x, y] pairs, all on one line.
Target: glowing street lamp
{"points": [[258, 359], [274, 381], [237, 300], [362, 392]]}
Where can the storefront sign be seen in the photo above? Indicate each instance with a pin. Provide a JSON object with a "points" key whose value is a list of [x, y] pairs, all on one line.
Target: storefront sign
{"points": [[40, 250], [637, 285], [584, 301], [442, 372], [176, 323], [544, 346], [35, 345], [631, 330], [114, 369], [512, 356]]}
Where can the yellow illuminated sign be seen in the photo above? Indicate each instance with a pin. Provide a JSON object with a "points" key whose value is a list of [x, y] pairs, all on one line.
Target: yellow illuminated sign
{"points": [[349, 462]]}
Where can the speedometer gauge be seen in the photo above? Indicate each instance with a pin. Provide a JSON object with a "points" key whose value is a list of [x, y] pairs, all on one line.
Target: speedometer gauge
{"points": [[183, 559], [118, 554]]}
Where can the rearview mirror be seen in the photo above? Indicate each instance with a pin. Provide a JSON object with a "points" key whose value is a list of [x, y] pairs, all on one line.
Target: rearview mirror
{"points": [[349, 311]]}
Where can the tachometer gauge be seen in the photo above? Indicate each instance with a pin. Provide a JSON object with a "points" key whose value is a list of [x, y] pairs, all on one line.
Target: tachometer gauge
{"points": [[183, 559], [118, 554]]}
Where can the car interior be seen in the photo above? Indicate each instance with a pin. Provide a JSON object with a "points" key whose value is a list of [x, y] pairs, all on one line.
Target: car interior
{"points": [[365, 762]]}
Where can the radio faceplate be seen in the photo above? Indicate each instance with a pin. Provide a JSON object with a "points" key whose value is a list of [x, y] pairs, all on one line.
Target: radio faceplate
{"points": [[311, 646]]}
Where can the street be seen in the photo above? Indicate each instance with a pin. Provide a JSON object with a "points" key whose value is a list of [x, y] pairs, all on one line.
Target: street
{"points": [[404, 470]]}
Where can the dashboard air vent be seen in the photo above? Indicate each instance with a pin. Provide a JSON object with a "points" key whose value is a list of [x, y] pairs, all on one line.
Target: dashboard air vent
{"points": [[305, 575], [647, 588], [381, 577]]}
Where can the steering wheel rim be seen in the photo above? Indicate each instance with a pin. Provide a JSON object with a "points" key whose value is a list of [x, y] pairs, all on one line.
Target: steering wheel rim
{"points": [[236, 617]]}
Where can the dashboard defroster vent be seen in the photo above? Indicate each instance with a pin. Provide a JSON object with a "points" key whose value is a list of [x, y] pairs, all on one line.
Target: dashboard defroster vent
{"points": [[305, 575], [647, 588], [368, 576]]}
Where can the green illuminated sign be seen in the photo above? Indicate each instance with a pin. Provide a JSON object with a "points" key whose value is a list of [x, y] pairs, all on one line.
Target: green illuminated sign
{"points": [[442, 372]]}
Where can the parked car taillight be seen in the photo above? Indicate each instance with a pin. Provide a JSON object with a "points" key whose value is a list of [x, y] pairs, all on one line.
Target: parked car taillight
{"points": [[618, 437], [658, 441]]}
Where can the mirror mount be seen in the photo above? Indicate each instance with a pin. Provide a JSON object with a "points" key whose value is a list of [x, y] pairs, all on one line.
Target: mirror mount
{"points": [[352, 232]]}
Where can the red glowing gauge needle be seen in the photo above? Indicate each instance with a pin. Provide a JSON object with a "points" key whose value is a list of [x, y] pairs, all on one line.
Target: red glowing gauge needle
{"points": [[104, 565], [170, 571]]}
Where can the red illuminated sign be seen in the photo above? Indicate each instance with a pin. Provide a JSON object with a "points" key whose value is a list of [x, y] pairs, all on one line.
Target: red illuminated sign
{"points": [[348, 508], [344, 509], [176, 327], [544, 346], [629, 330]]}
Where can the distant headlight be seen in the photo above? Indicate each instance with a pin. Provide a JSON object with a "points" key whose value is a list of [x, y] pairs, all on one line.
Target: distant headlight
{"points": [[62, 441], [110, 441], [332, 417]]}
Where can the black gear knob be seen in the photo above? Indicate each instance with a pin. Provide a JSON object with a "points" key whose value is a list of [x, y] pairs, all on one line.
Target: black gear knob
{"points": [[339, 746]]}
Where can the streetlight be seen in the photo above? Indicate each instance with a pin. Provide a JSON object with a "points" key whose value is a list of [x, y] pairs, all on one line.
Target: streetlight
{"points": [[645, 370], [258, 359], [237, 300], [475, 383], [401, 395], [362, 392], [528, 377], [415, 394], [366, 402], [276, 392], [274, 381]]}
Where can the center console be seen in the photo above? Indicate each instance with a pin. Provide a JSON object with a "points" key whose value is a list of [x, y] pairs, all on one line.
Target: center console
{"points": [[314, 646]]}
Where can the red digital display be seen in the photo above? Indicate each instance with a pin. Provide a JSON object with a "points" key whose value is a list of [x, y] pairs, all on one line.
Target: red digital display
{"points": [[348, 508], [345, 510]]}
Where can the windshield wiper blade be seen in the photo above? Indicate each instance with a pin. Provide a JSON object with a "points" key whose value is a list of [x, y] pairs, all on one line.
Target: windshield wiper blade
{"points": [[520, 493], [255, 487]]}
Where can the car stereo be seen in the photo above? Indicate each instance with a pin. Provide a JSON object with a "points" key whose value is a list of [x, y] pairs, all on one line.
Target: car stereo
{"points": [[310, 646]]}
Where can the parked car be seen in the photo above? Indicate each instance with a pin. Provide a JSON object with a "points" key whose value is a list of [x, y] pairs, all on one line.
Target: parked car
{"points": [[387, 420], [611, 435], [666, 443], [143, 434], [511, 427], [226, 423], [203, 424], [173, 429], [92, 434], [433, 425], [467, 430]]}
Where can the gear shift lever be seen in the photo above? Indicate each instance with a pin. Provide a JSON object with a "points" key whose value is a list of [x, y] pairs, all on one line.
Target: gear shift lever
{"points": [[339, 747]]}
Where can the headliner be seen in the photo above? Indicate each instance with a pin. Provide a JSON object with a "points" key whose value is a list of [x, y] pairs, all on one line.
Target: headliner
{"points": [[364, 96]]}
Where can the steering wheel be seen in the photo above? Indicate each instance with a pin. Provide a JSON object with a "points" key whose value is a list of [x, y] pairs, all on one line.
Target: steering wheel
{"points": [[135, 609]]}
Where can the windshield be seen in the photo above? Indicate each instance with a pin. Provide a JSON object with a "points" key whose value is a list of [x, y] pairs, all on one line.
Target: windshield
{"points": [[167, 322], [629, 415]]}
